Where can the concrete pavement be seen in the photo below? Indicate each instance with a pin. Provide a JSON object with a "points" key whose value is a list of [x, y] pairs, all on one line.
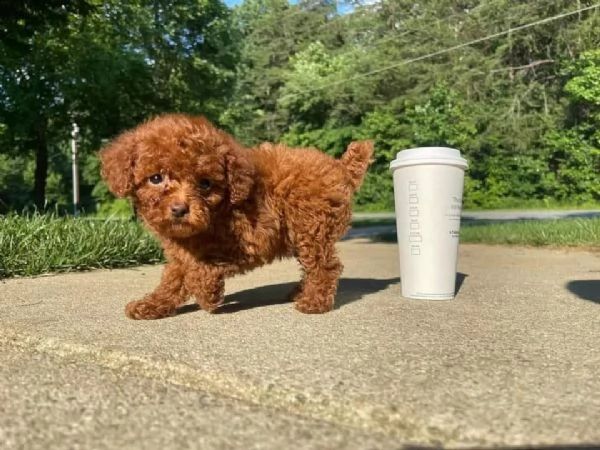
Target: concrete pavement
{"points": [[513, 360]]}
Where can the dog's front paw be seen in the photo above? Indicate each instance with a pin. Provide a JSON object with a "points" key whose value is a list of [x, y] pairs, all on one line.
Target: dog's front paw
{"points": [[146, 310]]}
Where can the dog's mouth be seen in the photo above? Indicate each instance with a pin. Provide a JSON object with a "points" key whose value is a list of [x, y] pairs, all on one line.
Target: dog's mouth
{"points": [[170, 226], [185, 227], [180, 228]]}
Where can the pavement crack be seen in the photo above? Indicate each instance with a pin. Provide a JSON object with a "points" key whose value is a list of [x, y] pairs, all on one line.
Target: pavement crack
{"points": [[367, 418]]}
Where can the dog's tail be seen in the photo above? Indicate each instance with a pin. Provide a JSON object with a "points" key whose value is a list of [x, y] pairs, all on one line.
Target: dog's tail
{"points": [[356, 160]]}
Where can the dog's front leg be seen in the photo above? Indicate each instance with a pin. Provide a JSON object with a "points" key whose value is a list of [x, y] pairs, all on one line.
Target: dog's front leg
{"points": [[163, 301], [206, 283]]}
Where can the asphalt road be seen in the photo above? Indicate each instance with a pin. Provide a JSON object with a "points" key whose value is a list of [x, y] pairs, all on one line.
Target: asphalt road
{"points": [[503, 214]]}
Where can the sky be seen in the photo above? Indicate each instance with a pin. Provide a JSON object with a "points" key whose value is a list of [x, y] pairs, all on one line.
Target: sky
{"points": [[342, 8], [237, 2]]}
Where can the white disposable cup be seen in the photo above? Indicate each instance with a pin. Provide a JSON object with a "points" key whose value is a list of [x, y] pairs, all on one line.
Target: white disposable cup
{"points": [[428, 192]]}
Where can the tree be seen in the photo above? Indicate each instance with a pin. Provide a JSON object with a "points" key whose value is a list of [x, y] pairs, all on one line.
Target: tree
{"points": [[109, 69], [22, 20], [273, 31]]}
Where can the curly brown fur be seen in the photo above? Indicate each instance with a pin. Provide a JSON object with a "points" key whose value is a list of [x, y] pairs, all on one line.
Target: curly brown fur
{"points": [[220, 209]]}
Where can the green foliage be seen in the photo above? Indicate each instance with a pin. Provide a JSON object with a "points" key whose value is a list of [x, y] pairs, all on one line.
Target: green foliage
{"points": [[14, 191], [331, 141], [523, 108], [67, 244], [21, 20], [106, 65], [584, 82], [311, 68], [583, 88], [443, 119], [573, 167], [272, 32], [120, 208]]}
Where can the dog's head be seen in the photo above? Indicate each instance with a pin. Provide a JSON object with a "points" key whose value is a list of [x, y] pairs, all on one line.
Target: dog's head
{"points": [[179, 170]]}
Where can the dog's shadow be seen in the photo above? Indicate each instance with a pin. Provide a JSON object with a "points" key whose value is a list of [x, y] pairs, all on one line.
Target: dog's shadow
{"points": [[349, 290]]}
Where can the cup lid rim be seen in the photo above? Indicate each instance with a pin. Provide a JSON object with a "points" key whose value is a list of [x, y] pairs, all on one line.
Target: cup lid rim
{"points": [[429, 155]]}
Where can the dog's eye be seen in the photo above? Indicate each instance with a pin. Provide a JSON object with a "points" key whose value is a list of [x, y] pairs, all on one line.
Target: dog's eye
{"points": [[156, 178], [204, 184]]}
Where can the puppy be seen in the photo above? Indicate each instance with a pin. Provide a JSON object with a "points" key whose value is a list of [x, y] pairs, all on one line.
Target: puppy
{"points": [[220, 209]]}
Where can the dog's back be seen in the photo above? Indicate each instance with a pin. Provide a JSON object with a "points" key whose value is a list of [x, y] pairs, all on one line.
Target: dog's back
{"points": [[310, 189], [286, 169]]}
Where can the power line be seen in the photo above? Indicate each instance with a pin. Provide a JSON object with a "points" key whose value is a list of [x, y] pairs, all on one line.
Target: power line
{"points": [[431, 21], [465, 14], [449, 49]]}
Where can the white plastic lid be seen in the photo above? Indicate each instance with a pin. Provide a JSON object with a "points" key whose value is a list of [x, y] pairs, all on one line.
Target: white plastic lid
{"points": [[429, 155]]}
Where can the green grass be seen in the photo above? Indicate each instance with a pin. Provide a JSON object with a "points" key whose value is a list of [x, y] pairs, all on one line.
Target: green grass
{"points": [[553, 233], [45, 244], [522, 204], [556, 233]]}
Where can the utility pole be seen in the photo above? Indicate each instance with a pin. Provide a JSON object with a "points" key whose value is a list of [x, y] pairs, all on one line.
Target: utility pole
{"points": [[75, 165]]}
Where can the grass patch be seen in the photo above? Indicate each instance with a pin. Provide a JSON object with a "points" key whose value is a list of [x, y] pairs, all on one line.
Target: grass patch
{"points": [[556, 233], [46, 244], [553, 233], [507, 203]]}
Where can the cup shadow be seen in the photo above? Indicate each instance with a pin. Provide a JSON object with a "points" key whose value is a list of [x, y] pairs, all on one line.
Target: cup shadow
{"points": [[349, 290], [585, 289], [460, 279]]}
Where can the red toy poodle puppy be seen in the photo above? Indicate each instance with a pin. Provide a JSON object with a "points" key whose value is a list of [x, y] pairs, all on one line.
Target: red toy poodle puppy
{"points": [[220, 209]]}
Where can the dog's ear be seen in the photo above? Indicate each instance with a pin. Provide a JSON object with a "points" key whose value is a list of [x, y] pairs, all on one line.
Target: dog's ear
{"points": [[116, 160], [240, 174]]}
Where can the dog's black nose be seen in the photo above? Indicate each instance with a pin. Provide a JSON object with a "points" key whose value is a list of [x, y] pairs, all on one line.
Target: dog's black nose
{"points": [[179, 210]]}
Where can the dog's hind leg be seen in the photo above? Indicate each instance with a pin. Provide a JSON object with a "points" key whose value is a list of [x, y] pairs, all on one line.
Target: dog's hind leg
{"points": [[322, 269]]}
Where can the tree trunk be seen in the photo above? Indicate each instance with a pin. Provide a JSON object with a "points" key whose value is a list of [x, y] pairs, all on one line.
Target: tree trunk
{"points": [[41, 164]]}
